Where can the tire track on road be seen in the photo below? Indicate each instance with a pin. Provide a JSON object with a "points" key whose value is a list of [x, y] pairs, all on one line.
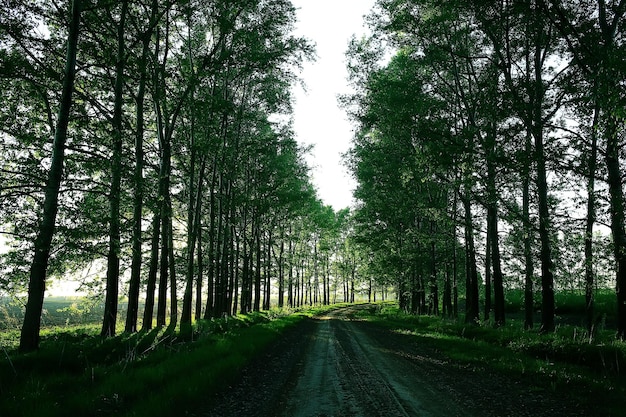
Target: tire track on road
{"points": [[372, 381]]}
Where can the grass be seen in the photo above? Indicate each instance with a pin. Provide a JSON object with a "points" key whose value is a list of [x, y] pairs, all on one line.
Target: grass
{"points": [[160, 372], [569, 304], [57, 312], [154, 373], [566, 361]]}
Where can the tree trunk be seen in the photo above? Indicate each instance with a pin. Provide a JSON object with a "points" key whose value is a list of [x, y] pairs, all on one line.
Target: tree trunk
{"points": [[164, 265], [245, 277], [268, 265], [528, 238], [257, 277], [617, 219], [591, 219], [185, 318], [210, 301], [218, 306], [281, 272], [198, 309], [447, 293], [488, 277], [152, 272], [135, 269], [471, 284], [172, 265], [235, 266], [290, 254], [494, 238], [113, 257], [434, 286], [609, 79], [29, 337], [193, 229], [455, 268], [498, 280], [547, 279]]}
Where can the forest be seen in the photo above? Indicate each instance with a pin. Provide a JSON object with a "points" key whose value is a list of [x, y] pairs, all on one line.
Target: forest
{"points": [[489, 150], [148, 160], [146, 154]]}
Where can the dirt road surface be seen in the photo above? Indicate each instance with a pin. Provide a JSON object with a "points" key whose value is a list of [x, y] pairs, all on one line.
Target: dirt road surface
{"points": [[338, 366]]}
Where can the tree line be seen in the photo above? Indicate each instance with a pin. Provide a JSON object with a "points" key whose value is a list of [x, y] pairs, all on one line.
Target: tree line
{"points": [[491, 133], [141, 141]]}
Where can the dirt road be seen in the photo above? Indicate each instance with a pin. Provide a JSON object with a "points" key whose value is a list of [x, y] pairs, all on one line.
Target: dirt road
{"points": [[338, 366], [348, 373]]}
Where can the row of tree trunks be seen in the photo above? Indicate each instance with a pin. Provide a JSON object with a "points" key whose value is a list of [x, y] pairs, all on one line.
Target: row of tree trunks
{"points": [[189, 84]]}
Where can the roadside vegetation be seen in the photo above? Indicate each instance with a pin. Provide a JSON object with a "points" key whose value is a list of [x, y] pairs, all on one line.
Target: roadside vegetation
{"points": [[565, 362], [154, 373], [163, 371]]}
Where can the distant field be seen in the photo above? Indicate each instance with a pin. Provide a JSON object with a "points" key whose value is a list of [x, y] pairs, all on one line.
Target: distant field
{"points": [[58, 311], [65, 311], [570, 307]]}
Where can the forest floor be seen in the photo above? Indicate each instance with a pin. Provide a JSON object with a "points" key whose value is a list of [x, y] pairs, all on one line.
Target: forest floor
{"points": [[339, 365]]}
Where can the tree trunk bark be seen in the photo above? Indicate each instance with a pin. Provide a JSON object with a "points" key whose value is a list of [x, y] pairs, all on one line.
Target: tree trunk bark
{"points": [[488, 277], [198, 309], [193, 229], [135, 269], [434, 286], [617, 220], [152, 272], [172, 265], [529, 303], [547, 278], [235, 266], [210, 301], [494, 238], [609, 79], [245, 276], [591, 219], [471, 284], [113, 258], [29, 337], [257, 277], [164, 265], [281, 272]]}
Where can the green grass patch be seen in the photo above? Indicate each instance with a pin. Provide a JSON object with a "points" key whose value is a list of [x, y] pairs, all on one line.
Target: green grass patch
{"points": [[565, 361], [156, 373], [567, 302]]}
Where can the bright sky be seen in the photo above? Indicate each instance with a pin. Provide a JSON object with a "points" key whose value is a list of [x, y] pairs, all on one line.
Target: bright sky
{"points": [[318, 120]]}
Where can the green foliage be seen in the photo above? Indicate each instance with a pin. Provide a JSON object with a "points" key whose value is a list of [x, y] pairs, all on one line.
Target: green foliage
{"points": [[57, 312], [75, 372], [569, 304], [566, 361]]}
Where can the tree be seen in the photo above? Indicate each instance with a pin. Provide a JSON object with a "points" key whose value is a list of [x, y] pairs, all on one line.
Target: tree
{"points": [[29, 338], [113, 261], [592, 33], [138, 177]]}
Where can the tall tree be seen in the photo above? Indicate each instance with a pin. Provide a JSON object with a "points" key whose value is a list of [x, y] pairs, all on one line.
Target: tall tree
{"points": [[29, 338], [138, 176], [113, 260], [593, 33]]}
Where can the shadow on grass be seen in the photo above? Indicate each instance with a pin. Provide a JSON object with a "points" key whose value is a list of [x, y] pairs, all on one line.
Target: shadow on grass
{"points": [[150, 373]]}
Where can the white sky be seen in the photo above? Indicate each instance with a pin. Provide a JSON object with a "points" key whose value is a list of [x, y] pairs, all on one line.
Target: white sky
{"points": [[318, 120]]}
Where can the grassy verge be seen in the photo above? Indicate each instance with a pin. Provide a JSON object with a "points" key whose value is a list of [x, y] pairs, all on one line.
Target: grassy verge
{"points": [[566, 361], [145, 374]]}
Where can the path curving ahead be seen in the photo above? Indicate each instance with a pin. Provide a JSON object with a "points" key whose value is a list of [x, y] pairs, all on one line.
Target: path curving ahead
{"points": [[338, 366]]}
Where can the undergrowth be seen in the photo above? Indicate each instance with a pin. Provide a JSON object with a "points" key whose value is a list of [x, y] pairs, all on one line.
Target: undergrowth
{"points": [[566, 361], [152, 373]]}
